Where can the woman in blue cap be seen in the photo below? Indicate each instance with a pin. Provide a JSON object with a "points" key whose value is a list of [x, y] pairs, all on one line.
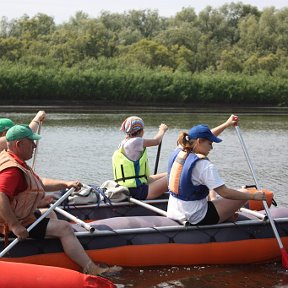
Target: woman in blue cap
{"points": [[130, 161], [191, 176]]}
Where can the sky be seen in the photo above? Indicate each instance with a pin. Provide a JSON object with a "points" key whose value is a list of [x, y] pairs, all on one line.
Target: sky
{"points": [[62, 10]]}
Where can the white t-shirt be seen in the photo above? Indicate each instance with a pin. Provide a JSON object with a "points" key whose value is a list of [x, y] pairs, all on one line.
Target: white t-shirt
{"points": [[204, 173], [133, 148]]}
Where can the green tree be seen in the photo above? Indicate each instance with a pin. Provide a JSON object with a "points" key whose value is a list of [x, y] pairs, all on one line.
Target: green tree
{"points": [[147, 22], [282, 28], [232, 14], [4, 27], [268, 30], [11, 48], [186, 15], [149, 53], [230, 61], [268, 63], [32, 28], [251, 65], [249, 34]]}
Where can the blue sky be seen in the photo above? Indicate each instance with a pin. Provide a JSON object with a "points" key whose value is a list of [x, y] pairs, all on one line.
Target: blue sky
{"points": [[62, 10]]}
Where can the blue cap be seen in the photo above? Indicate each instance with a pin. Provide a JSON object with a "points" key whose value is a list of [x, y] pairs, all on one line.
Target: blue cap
{"points": [[203, 131]]}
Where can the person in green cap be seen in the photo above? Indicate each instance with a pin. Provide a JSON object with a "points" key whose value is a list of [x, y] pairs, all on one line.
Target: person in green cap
{"points": [[6, 123], [21, 190]]}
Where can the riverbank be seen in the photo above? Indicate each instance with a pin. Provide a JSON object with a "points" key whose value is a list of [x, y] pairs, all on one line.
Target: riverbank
{"points": [[143, 109], [25, 85]]}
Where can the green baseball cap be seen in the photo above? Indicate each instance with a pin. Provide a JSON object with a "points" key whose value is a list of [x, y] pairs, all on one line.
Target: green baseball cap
{"points": [[5, 124], [18, 132]]}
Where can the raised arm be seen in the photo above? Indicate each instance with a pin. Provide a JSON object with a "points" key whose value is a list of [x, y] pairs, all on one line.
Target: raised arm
{"points": [[39, 117], [157, 138], [229, 122]]}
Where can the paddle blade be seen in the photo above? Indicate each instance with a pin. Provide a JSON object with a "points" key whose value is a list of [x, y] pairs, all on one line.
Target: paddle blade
{"points": [[284, 258]]}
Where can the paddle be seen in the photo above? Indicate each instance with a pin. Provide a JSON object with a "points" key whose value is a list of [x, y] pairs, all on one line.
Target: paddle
{"points": [[282, 249], [254, 213], [148, 206], [57, 203], [157, 158], [152, 208], [75, 219], [37, 144]]}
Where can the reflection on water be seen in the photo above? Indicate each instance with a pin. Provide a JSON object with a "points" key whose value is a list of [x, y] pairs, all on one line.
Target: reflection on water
{"points": [[80, 146], [249, 276]]}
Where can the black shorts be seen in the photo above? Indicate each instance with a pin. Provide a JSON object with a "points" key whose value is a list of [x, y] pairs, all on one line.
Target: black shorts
{"points": [[39, 231], [211, 216], [140, 192]]}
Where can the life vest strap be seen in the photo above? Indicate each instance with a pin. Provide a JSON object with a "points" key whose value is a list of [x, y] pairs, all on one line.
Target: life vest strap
{"points": [[4, 230], [130, 177]]}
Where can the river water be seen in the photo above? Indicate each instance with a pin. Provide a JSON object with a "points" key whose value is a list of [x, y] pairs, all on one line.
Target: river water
{"points": [[80, 146]]}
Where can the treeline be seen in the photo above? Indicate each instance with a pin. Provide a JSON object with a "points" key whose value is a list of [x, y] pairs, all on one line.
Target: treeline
{"points": [[232, 55]]}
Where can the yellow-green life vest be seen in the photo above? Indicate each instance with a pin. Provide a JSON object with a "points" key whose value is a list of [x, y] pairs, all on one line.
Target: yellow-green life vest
{"points": [[130, 173]]}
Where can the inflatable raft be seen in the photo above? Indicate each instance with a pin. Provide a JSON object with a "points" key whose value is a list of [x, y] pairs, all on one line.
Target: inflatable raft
{"points": [[28, 275], [100, 208], [104, 210], [157, 240]]}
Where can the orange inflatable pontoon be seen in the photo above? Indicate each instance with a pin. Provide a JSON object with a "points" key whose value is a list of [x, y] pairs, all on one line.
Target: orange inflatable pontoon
{"points": [[22, 275]]}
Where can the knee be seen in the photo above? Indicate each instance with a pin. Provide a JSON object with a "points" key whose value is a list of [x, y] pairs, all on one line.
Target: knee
{"points": [[64, 227]]}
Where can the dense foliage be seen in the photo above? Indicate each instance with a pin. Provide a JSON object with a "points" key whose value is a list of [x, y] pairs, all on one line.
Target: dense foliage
{"points": [[232, 55]]}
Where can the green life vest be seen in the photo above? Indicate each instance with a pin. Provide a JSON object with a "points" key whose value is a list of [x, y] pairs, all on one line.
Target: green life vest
{"points": [[130, 173]]}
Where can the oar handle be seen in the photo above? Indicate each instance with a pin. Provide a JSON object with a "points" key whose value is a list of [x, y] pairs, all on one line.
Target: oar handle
{"points": [[235, 118], [75, 219], [152, 208], [148, 206], [254, 213], [57, 203]]}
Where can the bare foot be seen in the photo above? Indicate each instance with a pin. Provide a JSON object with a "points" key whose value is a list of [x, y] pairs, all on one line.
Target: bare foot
{"points": [[101, 269]]}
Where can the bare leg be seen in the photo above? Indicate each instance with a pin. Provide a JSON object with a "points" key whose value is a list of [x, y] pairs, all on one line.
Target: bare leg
{"points": [[73, 248], [226, 208], [158, 187], [155, 177], [212, 195], [51, 215]]}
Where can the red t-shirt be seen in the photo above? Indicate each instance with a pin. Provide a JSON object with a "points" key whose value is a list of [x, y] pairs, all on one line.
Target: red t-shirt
{"points": [[12, 180]]}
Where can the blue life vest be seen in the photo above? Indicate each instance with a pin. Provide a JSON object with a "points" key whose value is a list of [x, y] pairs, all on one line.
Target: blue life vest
{"points": [[180, 168]]}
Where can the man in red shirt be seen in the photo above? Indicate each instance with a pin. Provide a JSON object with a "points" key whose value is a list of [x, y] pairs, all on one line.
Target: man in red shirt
{"points": [[21, 191]]}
